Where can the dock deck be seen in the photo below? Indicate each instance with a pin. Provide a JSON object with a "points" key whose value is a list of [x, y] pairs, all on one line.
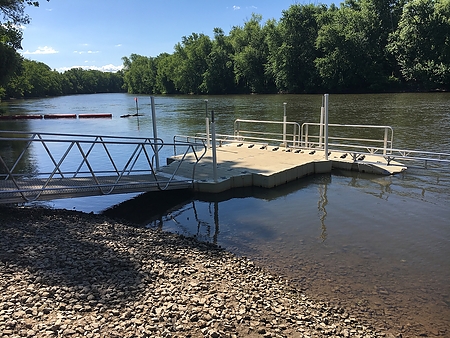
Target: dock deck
{"points": [[239, 165]]}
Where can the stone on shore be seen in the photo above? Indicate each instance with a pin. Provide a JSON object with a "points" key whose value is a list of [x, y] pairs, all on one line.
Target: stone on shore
{"points": [[71, 274]]}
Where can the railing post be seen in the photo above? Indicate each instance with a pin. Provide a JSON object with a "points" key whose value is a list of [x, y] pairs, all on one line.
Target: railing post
{"points": [[306, 136], [385, 140], [155, 136], [322, 111], [284, 124], [208, 144], [214, 153], [326, 127]]}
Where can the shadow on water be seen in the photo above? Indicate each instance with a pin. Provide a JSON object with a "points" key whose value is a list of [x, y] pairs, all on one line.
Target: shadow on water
{"points": [[197, 214], [150, 206], [377, 243]]}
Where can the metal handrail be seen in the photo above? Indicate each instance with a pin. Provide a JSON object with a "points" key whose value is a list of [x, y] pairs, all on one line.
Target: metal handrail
{"points": [[141, 158], [387, 141], [248, 134]]}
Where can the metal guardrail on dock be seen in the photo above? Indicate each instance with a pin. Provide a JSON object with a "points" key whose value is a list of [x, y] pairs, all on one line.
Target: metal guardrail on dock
{"points": [[37, 166], [310, 136]]}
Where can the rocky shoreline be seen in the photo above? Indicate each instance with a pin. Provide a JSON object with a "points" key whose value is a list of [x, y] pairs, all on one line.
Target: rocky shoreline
{"points": [[71, 274]]}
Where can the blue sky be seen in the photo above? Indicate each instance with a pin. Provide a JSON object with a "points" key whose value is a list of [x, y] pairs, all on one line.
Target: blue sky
{"points": [[96, 34]]}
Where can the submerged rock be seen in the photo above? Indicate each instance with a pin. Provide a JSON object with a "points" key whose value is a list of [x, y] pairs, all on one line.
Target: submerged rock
{"points": [[65, 273]]}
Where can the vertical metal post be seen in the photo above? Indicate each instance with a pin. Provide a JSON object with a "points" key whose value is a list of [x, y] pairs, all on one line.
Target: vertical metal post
{"points": [[208, 144], [284, 125], [306, 137], [322, 111], [214, 153], [155, 133], [326, 126], [385, 140]]}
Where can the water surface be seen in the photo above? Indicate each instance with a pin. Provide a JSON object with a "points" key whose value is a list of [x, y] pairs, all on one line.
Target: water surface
{"points": [[377, 244]]}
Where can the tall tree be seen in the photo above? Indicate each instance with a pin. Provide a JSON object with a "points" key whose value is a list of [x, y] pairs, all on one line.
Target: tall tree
{"points": [[190, 58], [219, 77], [165, 74], [139, 74], [421, 44], [12, 16], [352, 54], [292, 49], [251, 56]]}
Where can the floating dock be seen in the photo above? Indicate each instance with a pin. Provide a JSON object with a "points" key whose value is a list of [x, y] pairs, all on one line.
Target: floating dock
{"points": [[243, 165]]}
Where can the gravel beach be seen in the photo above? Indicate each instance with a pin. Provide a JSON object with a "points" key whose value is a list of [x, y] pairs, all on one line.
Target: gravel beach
{"points": [[72, 274]]}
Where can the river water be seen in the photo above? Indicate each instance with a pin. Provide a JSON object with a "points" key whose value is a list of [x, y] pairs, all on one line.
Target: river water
{"points": [[379, 245]]}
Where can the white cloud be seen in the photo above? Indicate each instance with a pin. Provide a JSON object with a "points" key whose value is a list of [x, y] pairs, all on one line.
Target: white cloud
{"points": [[118, 45], [86, 52], [42, 51], [106, 68], [22, 27], [237, 8]]}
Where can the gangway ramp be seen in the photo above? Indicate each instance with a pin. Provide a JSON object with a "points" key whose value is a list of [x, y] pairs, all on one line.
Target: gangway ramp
{"points": [[47, 166], [27, 190]]}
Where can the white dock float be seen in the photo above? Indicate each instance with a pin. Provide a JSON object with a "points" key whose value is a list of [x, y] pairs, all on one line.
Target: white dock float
{"points": [[366, 163], [244, 166]]}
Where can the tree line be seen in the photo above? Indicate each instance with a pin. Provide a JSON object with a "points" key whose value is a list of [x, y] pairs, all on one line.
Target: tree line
{"points": [[361, 46], [36, 79], [20, 77]]}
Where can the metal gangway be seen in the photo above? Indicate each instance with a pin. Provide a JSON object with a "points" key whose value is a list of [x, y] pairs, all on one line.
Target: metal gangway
{"points": [[45, 166]]}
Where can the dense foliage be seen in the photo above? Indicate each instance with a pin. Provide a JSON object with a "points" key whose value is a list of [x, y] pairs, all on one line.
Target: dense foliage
{"points": [[13, 15], [361, 46], [36, 79], [24, 78]]}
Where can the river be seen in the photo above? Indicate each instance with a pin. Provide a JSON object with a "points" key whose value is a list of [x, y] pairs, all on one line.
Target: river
{"points": [[377, 244]]}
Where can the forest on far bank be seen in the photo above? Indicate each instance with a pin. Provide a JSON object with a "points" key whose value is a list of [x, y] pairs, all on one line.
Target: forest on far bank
{"points": [[361, 46]]}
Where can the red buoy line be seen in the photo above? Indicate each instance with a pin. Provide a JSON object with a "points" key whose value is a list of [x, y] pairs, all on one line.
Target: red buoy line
{"points": [[53, 116], [90, 116], [60, 116]]}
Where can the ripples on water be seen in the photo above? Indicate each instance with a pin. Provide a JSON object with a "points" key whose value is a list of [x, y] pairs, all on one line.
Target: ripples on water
{"points": [[382, 242]]}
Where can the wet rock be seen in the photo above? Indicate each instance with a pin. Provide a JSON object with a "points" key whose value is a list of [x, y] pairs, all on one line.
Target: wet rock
{"points": [[70, 274]]}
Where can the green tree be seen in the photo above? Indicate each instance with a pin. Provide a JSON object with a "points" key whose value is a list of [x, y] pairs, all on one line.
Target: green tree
{"points": [[352, 56], [251, 56], [190, 62], [421, 44], [292, 49], [35, 80], [219, 76], [12, 16], [139, 74], [164, 74]]}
